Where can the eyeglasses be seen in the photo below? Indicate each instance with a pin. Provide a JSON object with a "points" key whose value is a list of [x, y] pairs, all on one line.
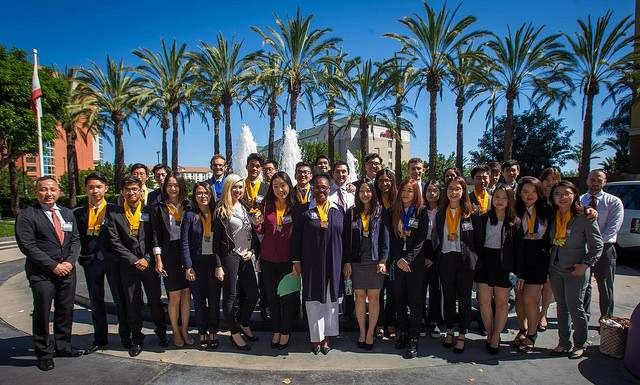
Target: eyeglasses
{"points": [[456, 190], [562, 195], [138, 174], [172, 185], [304, 173], [269, 169], [375, 164], [202, 194], [132, 190]]}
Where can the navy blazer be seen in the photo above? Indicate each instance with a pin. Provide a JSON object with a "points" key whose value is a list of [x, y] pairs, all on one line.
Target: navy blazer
{"points": [[37, 240], [470, 241], [191, 233], [415, 241], [93, 245], [378, 235], [161, 225], [511, 252]]}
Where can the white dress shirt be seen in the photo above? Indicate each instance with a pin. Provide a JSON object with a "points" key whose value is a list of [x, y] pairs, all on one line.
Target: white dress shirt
{"points": [[349, 198], [610, 214]]}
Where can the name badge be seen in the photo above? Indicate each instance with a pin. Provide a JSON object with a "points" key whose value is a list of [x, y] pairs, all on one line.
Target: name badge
{"points": [[105, 221], [67, 226], [286, 219], [144, 217], [413, 223], [568, 233], [354, 225], [259, 199], [314, 215], [467, 226]]}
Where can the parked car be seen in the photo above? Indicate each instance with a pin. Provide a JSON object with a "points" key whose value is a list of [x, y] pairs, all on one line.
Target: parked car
{"points": [[629, 193]]}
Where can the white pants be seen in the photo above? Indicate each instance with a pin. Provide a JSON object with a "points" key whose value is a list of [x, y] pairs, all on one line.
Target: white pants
{"points": [[323, 318]]}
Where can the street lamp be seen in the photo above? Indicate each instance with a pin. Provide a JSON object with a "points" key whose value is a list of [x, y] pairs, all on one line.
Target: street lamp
{"points": [[158, 153]]}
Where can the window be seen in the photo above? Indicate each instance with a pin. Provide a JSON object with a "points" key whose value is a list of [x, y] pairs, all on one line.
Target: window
{"points": [[390, 144], [390, 165], [390, 154], [31, 169], [629, 194], [31, 160]]}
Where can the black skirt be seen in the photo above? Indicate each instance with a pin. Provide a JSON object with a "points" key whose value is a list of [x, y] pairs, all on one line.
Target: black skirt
{"points": [[172, 263], [536, 261], [491, 271]]}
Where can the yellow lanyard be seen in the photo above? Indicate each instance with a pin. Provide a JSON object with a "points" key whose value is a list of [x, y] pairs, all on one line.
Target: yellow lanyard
{"points": [[206, 224], [95, 218], [134, 219], [561, 224], [385, 202], [280, 212], [177, 215], [144, 194], [365, 221], [453, 221], [305, 198], [252, 191], [531, 220], [322, 211], [483, 202]]}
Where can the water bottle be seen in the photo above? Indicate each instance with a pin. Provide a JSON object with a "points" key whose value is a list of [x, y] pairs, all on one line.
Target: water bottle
{"points": [[513, 279], [348, 285]]}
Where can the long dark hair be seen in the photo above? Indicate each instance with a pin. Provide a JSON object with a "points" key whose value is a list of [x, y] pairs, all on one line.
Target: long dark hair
{"points": [[576, 207], [435, 184], [542, 209], [271, 196], [359, 206], [511, 219], [465, 203], [183, 192], [212, 202], [393, 192]]}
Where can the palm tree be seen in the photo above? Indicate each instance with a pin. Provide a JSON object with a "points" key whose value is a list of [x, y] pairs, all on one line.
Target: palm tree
{"points": [[599, 60], [223, 72], [367, 101], [431, 47], [298, 48], [333, 89], [468, 79], [68, 74], [269, 85], [107, 100], [400, 79], [577, 155], [527, 64], [170, 84]]}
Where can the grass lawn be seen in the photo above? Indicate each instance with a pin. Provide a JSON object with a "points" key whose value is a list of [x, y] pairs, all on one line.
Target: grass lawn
{"points": [[6, 229]]}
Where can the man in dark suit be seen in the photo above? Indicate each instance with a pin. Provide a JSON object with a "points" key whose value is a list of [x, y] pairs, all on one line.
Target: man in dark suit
{"points": [[480, 197], [99, 261], [141, 172], [129, 235], [48, 236], [159, 171]]}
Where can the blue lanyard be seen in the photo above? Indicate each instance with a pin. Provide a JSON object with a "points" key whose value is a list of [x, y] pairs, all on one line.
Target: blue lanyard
{"points": [[406, 216], [537, 223]]}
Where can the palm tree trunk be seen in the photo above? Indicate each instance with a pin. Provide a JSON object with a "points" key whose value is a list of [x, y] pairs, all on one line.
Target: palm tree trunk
{"points": [[459, 144], [587, 128], [72, 170], [13, 187], [165, 128], [227, 134], [293, 104], [364, 138], [216, 132], [331, 134], [273, 113], [398, 157], [174, 141], [119, 161], [433, 152], [508, 132]]}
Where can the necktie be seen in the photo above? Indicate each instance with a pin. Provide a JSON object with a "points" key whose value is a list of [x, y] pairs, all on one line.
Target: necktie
{"points": [[57, 225], [341, 198], [593, 204]]}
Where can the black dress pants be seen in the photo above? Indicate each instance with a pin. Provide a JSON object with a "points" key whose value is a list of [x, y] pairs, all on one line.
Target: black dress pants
{"points": [[133, 280], [206, 294], [456, 279], [282, 309], [95, 272], [238, 272], [408, 293], [61, 292]]}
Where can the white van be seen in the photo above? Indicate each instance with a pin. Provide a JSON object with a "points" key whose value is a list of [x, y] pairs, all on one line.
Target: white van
{"points": [[629, 193]]}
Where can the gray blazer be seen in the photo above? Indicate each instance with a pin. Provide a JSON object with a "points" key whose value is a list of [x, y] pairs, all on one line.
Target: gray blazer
{"points": [[584, 243]]}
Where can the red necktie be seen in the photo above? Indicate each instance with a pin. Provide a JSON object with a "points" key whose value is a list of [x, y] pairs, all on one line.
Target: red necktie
{"points": [[341, 198], [593, 203], [57, 225]]}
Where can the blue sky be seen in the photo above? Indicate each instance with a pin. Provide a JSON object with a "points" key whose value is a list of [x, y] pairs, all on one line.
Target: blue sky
{"points": [[74, 32]]}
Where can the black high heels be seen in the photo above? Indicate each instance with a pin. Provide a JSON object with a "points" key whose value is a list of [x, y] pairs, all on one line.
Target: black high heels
{"points": [[244, 347], [252, 338]]}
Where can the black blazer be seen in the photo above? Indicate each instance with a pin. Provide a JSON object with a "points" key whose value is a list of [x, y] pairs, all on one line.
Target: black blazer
{"points": [[161, 225], [511, 252], [37, 240], [92, 245], [475, 203], [378, 235], [191, 234], [223, 240], [155, 197], [415, 241], [130, 248], [470, 241], [262, 193]]}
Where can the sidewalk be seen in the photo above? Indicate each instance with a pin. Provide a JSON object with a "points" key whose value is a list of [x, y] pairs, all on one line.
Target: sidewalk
{"points": [[345, 363]]}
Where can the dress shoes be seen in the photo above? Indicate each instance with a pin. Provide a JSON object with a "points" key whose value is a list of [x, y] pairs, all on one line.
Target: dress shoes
{"points": [[412, 350], [362, 344], [71, 352], [163, 340], [325, 350], [135, 350], [283, 346], [94, 348], [244, 347], [316, 350], [46, 364]]}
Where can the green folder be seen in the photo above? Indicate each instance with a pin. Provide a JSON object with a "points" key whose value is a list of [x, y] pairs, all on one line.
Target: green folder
{"points": [[289, 285]]}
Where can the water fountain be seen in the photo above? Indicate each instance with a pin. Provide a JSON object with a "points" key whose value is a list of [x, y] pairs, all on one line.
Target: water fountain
{"points": [[353, 167], [245, 146], [290, 152]]}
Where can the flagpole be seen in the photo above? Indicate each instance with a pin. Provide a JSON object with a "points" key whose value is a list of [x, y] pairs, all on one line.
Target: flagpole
{"points": [[40, 153]]}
